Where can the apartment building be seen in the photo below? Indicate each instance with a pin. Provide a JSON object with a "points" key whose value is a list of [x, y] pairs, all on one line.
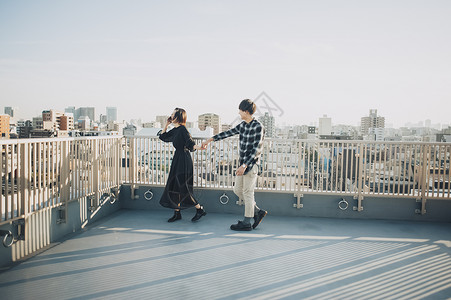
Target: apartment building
{"points": [[4, 126], [210, 120]]}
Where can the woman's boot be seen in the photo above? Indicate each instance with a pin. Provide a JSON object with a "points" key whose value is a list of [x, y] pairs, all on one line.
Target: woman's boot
{"points": [[177, 216], [200, 212]]}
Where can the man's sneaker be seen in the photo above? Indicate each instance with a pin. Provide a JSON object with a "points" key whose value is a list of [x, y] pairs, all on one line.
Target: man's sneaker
{"points": [[241, 226], [258, 217]]}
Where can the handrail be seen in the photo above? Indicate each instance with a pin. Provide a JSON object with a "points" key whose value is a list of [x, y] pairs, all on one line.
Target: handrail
{"points": [[44, 173], [38, 174], [347, 168]]}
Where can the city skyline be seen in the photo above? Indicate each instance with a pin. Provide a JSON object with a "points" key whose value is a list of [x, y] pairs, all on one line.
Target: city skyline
{"points": [[103, 111], [311, 58]]}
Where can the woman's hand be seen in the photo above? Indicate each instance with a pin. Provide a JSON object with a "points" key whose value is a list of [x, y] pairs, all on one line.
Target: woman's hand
{"points": [[196, 147]]}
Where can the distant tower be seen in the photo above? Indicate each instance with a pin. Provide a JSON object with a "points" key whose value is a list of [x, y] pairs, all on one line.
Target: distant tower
{"points": [[269, 124], [83, 112], [70, 110], [325, 126], [111, 114], [10, 111], [373, 125]]}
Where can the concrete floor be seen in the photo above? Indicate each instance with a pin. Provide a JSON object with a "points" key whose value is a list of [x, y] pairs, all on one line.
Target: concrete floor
{"points": [[138, 255]]}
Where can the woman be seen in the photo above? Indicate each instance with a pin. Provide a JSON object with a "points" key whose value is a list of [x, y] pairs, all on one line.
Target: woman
{"points": [[178, 193]]}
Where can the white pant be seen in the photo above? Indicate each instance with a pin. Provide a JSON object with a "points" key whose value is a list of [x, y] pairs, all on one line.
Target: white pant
{"points": [[244, 189]]}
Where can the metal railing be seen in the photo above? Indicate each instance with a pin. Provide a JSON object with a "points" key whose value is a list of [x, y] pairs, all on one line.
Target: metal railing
{"points": [[45, 173], [357, 168], [41, 174], [38, 175]]}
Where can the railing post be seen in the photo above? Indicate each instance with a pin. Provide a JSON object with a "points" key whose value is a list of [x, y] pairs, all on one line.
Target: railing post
{"points": [[65, 184], [131, 154], [23, 181], [360, 178], [424, 186], [96, 169], [299, 194]]}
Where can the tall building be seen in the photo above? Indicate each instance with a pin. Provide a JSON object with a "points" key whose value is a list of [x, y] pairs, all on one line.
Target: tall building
{"points": [[4, 126], [111, 114], [372, 125], [70, 110], [10, 111], [209, 120], [268, 124], [325, 126], [83, 112]]}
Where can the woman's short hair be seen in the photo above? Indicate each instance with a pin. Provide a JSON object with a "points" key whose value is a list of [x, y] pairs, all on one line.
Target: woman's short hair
{"points": [[248, 105], [180, 115]]}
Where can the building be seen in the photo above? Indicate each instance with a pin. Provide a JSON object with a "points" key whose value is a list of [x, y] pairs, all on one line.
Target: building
{"points": [[371, 125], [444, 135], [66, 122], [152, 125], [161, 119], [226, 127], [325, 126], [268, 123], [10, 111], [37, 123], [70, 110], [83, 112], [130, 129], [4, 126], [51, 119], [24, 128], [210, 120], [111, 114], [84, 123]]}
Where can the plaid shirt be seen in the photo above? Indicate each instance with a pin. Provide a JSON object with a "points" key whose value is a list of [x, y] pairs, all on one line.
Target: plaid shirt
{"points": [[251, 141]]}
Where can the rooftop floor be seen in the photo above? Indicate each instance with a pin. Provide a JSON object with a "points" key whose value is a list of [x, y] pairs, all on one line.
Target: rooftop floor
{"points": [[138, 255]]}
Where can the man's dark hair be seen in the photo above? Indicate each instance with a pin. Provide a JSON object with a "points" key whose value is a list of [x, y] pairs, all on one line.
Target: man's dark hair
{"points": [[248, 105]]}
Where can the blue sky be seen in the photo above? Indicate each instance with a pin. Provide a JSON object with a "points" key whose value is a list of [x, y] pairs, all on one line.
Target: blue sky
{"points": [[339, 58]]}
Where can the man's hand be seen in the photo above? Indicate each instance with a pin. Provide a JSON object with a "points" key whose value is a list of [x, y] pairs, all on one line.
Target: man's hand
{"points": [[240, 171], [206, 142]]}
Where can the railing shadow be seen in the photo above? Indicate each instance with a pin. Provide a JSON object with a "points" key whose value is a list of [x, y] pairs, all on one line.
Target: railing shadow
{"points": [[135, 254]]}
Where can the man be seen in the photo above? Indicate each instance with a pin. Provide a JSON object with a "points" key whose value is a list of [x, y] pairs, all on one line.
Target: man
{"points": [[251, 143]]}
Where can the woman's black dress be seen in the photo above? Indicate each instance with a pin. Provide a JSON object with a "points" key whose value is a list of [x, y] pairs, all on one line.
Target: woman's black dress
{"points": [[178, 193]]}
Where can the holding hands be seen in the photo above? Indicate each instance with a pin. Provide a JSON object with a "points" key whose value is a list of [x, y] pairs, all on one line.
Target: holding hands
{"points": [[205, 143]]}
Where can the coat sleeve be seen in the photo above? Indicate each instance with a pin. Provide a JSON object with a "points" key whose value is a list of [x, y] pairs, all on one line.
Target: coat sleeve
{"points": [[166, 136], [228, 133], [189, 142]]}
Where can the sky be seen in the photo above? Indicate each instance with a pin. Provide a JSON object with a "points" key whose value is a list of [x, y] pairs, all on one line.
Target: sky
{"points": [[308, 59]]}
